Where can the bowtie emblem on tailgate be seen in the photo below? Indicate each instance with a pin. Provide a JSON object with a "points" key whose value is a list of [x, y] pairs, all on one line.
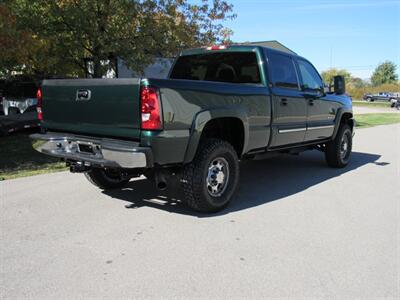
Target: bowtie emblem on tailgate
{"points": [[83, 95]]}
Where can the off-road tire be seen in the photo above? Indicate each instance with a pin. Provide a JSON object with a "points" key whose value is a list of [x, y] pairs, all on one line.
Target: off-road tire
{"points": [[103, 180], [194, 178], [333, 153]]}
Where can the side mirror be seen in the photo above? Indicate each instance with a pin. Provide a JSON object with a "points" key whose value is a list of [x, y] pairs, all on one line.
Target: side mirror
{"points": [[339, 85]]}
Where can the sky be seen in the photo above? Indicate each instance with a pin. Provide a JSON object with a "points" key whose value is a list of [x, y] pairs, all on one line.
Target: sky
{"points": [[356, 35]]}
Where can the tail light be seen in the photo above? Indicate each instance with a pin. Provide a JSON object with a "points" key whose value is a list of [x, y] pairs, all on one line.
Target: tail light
{"points": [[150, 109], [39, 104]]}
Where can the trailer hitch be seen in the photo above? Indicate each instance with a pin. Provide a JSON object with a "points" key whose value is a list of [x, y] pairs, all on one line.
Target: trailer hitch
{"points": [[78, 166]]}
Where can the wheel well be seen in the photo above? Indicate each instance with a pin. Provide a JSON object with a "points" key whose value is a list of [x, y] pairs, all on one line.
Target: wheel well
{"points": [[347, 118], [228, 129]]}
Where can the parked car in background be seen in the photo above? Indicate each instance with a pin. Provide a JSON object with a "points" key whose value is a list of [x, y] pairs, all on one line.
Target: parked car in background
{"points": [[394, 99], [382, 96], [19, 96], [2, 82], [1, 106], [397, 104], [18, 105]]}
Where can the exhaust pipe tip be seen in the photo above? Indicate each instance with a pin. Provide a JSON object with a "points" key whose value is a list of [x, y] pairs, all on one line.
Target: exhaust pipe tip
{"points": [[162, 185]]}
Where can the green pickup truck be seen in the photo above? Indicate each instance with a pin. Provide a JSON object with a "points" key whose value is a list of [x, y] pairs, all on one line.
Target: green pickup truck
{"points": [[220, 105]]}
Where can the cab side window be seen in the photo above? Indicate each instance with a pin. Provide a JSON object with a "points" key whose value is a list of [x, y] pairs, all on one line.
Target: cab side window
{"points": [[311, 78], [282, 71]]}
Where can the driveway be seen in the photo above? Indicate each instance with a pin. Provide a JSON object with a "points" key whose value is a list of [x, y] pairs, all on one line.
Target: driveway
{"points": [[296, 229]]}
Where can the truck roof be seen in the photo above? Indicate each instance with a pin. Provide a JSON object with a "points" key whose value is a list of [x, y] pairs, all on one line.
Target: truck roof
{"points": [[234, 48]]}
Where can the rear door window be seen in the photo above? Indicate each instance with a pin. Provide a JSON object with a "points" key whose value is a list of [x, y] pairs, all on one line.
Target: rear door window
{"points": [[233, 67], [282, 71]]}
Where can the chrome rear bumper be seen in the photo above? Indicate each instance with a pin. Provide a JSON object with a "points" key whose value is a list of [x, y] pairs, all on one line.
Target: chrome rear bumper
{"points": [[94, 151]]}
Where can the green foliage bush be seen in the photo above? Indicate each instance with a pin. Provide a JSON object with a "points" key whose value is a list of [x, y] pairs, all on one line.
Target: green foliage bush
{"points": [[357, 93]]}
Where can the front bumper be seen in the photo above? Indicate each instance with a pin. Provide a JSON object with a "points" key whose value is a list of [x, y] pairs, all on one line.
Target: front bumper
{"points": [[94, 151]]}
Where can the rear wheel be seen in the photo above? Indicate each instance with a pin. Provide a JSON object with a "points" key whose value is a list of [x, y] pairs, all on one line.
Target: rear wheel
{"points": [[106, 178], [338, 151], [210, 180]]}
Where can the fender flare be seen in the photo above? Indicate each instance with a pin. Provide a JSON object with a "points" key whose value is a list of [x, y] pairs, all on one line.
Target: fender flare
{"points": [[339, 115], [200, 121]]}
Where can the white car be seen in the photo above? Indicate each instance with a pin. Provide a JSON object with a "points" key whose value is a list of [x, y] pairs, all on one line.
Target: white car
{"points": [[19, 96], [18, 106]]}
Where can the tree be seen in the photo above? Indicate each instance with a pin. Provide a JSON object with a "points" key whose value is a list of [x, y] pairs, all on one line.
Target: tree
{"points": [[384, 73], [11, 38], [328, 75], [77, 31], [357, 82]]}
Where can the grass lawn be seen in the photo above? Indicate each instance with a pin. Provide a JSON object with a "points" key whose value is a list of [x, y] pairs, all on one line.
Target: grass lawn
{"points": [[371, 104], [18, 159], [368, 120]]}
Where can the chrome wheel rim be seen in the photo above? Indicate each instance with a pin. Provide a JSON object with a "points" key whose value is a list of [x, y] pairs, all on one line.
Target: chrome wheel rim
{"points": [[344, 146], [217, 176]]}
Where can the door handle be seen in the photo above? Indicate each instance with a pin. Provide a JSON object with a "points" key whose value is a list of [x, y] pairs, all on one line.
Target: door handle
{"points": [[311, 102], [83, 95], [284, 102]]}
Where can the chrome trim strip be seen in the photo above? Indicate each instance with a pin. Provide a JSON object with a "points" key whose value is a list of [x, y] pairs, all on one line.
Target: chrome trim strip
{"points": [[321, 127], [291, 130]]}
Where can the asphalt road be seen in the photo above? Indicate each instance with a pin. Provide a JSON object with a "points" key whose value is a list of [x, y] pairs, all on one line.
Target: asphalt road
{"points": [[296, 229]]}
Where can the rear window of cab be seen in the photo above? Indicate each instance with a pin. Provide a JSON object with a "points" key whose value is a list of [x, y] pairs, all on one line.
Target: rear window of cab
{"points": [[232, 67]]}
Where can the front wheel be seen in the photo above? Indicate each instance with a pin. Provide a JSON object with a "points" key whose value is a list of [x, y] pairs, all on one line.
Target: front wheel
{"points": [[338, 151], [106, 179], [210, 180]]}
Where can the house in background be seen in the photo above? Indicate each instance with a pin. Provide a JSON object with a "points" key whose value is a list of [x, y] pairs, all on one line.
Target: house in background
{"points": [[270, 44], [160, 68]]}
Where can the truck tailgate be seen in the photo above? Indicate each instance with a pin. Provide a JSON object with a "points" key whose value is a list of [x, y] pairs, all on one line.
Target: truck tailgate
{"points": [[101, 107]]}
